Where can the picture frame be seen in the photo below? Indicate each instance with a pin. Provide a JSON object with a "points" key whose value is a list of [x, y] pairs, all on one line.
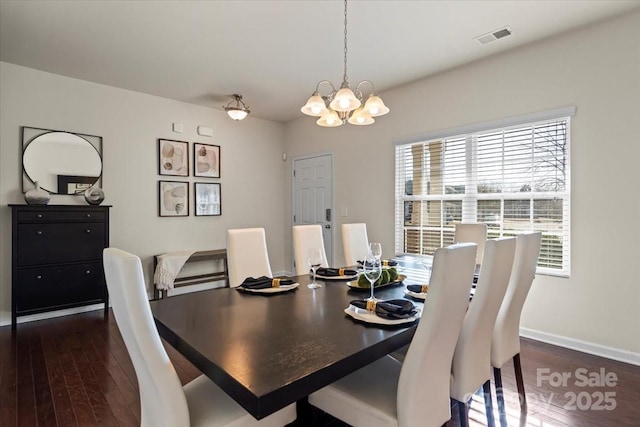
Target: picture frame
{"points": [[173, 198], [173, 157], [206, 160], [208, 199]]}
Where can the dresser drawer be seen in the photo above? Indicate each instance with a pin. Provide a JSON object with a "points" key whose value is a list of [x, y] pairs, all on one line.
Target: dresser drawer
{"points": [[59, 287], [47, 215], [51, 243]]}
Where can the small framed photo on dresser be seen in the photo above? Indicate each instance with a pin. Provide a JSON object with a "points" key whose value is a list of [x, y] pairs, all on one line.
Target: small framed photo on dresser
{"points": [[173, 157], [208, 199], [206, 160], [173, 198]]}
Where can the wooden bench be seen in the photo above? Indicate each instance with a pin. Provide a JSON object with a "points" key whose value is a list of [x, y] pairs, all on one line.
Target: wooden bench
{"points": [[212, 255]]}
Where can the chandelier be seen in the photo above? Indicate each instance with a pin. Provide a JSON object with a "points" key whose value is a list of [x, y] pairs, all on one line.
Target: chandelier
{"points": [[237, 111], [344, 105]]}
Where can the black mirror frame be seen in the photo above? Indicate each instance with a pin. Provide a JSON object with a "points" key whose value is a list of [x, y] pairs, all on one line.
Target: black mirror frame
{"points": [[29, 134]]}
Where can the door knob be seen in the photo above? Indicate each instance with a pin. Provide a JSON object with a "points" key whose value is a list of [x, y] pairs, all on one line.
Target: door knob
{"points": [[327, 226]]}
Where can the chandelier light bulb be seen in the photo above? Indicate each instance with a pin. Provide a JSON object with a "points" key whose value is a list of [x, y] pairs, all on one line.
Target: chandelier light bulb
{"points": [[315, 106], [375, 106], [361, 117], [345, 100], [330, 119]]}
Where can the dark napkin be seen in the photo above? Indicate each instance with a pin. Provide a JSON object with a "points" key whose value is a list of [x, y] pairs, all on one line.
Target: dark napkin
{"points": [[263, 282], [390, 309], [330, 272], [384, 263], [415, 288]]}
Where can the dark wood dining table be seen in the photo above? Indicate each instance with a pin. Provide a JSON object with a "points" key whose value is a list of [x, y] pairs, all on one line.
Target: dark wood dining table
{"points": [[268, 351]]}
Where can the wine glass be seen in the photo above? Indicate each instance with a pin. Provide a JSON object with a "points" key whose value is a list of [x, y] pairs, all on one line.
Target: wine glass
{"points": [[372, 272], [375, 250], [314, 261]]}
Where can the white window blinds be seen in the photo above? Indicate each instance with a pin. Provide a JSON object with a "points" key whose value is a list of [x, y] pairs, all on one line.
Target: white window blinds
{"points": [[515, 179]]}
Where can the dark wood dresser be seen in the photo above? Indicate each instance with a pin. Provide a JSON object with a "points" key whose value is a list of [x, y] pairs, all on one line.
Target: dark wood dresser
{"points": [[57, 257]]}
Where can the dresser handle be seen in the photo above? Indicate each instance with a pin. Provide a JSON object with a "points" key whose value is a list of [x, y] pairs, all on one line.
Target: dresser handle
{"points": [[38, 277], [39, 233], [87, 272], [88, 215], [39, 216], [88, 230]]}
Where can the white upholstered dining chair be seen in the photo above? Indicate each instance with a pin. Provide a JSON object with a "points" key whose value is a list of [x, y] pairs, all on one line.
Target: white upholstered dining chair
{"points": [[306, 237], [163, 400], [505, 344], [416, 392], [472, 232], [470, 369], [247, 255], [355, 243]]}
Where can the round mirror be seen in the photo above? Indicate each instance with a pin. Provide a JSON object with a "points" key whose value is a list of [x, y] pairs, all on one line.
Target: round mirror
{"points": [[62, 162]]}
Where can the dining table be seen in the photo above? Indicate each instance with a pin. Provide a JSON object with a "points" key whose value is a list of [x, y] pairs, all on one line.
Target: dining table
{"points": [[267, 351]]}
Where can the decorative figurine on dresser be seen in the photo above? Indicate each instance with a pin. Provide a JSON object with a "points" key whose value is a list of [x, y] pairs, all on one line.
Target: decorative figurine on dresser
{"points": [[57, 257]]}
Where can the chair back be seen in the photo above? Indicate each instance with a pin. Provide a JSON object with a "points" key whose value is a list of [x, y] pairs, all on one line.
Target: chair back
{"points": [[423, 388], [306, 237], [247, 255], [472, 232], [162, 398], [355, 243], [471, 360], [506, 333]]}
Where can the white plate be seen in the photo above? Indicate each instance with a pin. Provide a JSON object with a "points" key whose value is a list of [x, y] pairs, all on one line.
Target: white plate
{"points": [[370, 317], [282, 288], [336, 277], [421, 295]]}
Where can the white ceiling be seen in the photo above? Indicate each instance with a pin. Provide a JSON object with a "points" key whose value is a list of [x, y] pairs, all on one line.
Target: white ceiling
{"points": [[272, 52]]}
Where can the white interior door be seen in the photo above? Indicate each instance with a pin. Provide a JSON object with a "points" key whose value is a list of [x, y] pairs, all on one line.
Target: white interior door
{"points": [[313, 196]]}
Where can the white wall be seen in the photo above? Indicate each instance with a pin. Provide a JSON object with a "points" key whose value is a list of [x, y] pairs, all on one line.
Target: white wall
{"points": [[252, 170], [597, 69]]}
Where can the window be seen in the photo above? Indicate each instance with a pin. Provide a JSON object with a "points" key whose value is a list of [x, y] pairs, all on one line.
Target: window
{"points": [[515, 179]]}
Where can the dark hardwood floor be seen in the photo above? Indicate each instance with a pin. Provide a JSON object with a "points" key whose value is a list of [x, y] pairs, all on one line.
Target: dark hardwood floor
{"points": [[75, 370]]}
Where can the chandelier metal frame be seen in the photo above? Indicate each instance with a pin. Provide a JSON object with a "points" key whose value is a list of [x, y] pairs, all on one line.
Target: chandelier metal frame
{"points": [[344, 105]]}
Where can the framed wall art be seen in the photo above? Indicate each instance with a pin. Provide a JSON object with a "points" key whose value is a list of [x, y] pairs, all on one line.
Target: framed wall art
{"points": [[173, 157], [173, 198], [206, 160], [208, 199]]}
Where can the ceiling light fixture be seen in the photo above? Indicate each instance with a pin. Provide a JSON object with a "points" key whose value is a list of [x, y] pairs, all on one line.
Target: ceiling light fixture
{"points": [[344, 105], [238, 111]]}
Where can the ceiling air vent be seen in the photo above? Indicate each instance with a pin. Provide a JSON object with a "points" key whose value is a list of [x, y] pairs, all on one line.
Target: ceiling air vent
{"points": [[494, 35]]}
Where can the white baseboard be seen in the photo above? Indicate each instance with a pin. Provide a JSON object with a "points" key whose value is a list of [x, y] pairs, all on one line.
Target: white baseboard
{"points": [[583, 346], [52, 314]]}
